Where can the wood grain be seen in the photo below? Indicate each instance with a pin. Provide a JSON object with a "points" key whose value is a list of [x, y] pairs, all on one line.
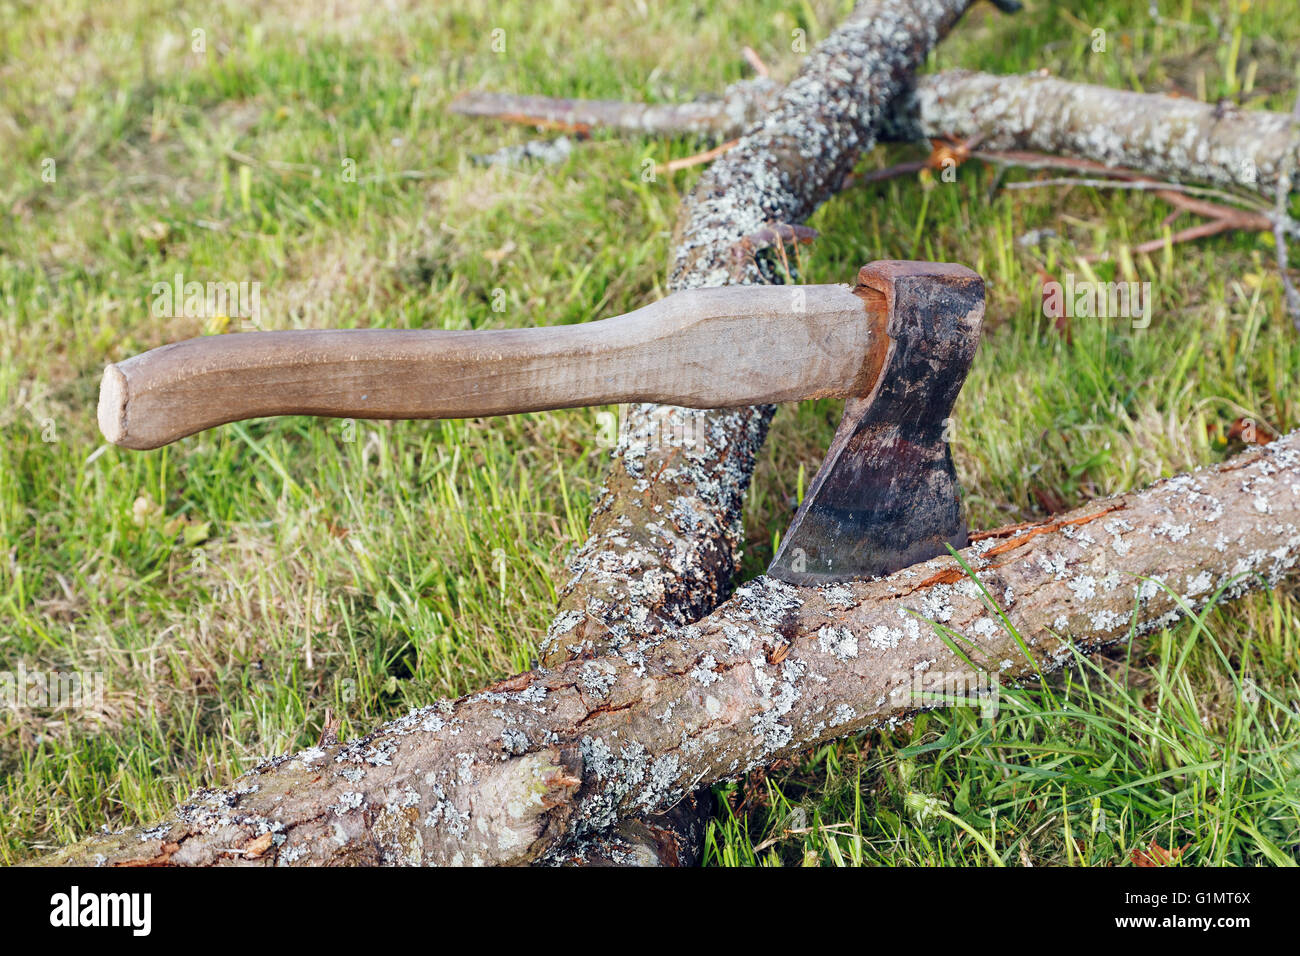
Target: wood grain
{"points": [[704, 348]]}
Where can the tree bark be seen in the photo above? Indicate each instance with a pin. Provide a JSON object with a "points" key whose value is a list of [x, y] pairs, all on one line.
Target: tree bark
{"points": [[1168, 137], [665, 533], [500, 776], [741, 105], [1163, 136]]}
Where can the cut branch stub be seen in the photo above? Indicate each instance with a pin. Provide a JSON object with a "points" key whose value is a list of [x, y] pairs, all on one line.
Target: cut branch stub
{"points": [[886, 494]]}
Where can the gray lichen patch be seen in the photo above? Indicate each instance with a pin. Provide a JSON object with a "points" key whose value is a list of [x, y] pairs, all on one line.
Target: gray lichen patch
{"points": [[598, 677], [839, 642], [1166, 137]]}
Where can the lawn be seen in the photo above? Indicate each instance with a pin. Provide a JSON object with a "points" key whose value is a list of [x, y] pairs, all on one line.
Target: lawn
{"points": [[233, 587]]}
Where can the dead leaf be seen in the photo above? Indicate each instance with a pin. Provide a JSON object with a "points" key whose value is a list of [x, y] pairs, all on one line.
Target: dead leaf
{"points": [[1250, 432], [1157, 855], [257, 847]]}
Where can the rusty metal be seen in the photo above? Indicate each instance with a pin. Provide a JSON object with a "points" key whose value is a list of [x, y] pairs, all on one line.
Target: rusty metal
{"points": [[886, 495]]}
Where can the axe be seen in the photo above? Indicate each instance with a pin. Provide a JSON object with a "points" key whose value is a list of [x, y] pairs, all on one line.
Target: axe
{"points": [[897, 346]]}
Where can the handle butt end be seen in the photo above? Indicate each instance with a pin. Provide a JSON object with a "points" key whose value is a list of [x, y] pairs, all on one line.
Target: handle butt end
{"points": [[112, 405]]}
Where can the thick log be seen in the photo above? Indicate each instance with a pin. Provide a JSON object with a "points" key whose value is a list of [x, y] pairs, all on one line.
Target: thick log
{"points": [[499, 776]]}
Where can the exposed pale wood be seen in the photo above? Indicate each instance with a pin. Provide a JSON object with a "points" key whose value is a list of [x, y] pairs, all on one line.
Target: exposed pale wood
{"points": [[704, 348]]}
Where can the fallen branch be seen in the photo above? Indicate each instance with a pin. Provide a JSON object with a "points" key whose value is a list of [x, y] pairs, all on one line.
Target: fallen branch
{"points": [[1163, 136], [1221, 218], [740, 106], [1134, 184], [699, 159], [1022, 120], [500, 776]]}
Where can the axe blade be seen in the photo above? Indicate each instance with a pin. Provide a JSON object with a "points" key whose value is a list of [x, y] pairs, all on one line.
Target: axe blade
{"points": [[886, 495]]}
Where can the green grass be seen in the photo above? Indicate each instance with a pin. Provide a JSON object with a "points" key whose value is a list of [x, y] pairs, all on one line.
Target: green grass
{"points": [[232, 587]]}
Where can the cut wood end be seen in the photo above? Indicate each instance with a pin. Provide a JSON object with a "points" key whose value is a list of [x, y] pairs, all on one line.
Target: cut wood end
{"points": [[112, 405]]}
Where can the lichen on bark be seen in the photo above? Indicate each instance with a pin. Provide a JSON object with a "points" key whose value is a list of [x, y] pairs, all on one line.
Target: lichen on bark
{"points": [[554, 757], [665, 533]]}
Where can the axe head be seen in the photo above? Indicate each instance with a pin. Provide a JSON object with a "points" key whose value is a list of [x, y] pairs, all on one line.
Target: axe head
{"points": [[886, 495]]}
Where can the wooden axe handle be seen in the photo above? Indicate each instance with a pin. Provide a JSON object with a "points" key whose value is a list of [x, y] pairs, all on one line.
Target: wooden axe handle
{"points": [[705, 348]]}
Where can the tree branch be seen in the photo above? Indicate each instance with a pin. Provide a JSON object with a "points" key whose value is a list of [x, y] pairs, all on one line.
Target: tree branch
{"points": [[1163, 136], [499, 776]]}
